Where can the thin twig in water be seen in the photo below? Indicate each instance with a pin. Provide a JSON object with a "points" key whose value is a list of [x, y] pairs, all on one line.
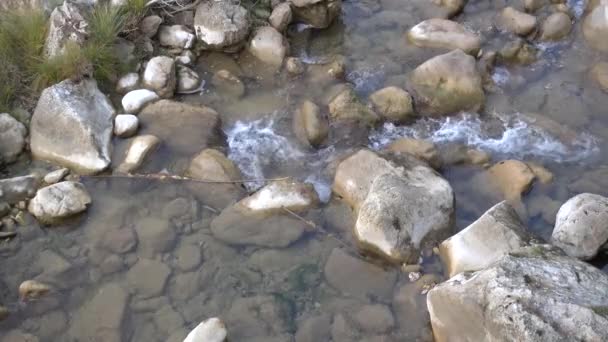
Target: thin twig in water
{"points": [[309, 223], [180, 178], [320, 229]]}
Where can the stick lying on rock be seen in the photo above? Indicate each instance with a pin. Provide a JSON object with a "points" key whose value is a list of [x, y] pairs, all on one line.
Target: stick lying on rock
{"points": [[162, 176]]}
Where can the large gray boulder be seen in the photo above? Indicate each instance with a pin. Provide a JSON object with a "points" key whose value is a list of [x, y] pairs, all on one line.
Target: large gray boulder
{"points": [[447, 84], [444, 34], [12, 138], [72, 126], [402, 204], [316, 13], [68, 25], [221, 25], [496, 233], [59, 201], [536, 294], [581, 225]]}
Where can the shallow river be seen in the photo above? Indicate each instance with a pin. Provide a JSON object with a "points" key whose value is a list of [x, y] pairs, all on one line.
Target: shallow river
{"points": [[142, 264]]}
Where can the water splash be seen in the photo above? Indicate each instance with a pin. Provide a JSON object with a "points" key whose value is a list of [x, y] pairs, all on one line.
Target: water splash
{"points": [[517, 138], [254, 146], [501, 76], [257, 148]]}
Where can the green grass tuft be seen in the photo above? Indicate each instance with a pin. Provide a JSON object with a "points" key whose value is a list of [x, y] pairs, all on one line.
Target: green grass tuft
{"points": [[22, 36], [24, 72]]}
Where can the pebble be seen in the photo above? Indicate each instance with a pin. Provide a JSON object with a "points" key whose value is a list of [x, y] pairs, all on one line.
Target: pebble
{"points": [[56, 176], [32, 290], [125, 125]]}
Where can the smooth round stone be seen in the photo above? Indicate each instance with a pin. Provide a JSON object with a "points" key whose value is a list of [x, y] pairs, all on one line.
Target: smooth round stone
{"points": [[125, 125]]}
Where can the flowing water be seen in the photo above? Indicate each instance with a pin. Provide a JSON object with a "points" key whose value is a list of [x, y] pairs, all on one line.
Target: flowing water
{"points": [[142, 264]]}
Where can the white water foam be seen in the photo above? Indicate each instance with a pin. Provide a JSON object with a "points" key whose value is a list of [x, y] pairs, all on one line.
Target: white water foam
{"points": [[501, 76], [518, 139], [256, 148]]}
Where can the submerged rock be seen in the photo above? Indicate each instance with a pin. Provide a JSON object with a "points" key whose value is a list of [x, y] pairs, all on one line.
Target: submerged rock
{"points": [[32, 290], [496, 233], [447, 84], [269, 46], [263, 219], [346, 106], [310, 126], [221, 25], [16, 189], [183, 128], [421, 149], [402, 204], [102, 316], [175, 36], [512, 178], [210, 330], [556, 26], [72, 126], [212, 165], [187, 80], [228, 83], [147, 278], [67, 26], [599, 72], [59, 201], [516, 22], [595, 28], [160, 76], [534, 294], [358, 278], [136, 100], [581, 226], [444, 34], [393, 104], [139, 148], [294, 66], [12, 138], [317, 13]]}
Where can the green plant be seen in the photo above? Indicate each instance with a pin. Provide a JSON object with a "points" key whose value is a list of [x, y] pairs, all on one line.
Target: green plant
{"points": [[22, 36], [24, 71]]}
